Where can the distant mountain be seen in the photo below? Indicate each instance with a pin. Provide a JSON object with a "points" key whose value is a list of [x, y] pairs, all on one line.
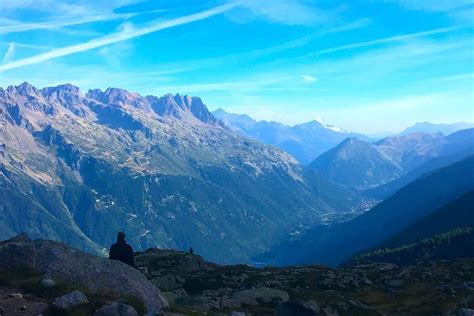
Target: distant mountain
{"points": [[385, 190], [304, 142], [362, 165], [446, 129], [334, 244], [444, 234], [79, 167]]}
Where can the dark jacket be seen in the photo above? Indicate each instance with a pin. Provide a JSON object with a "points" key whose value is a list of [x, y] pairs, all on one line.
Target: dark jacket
{"points": [[122, 252]]}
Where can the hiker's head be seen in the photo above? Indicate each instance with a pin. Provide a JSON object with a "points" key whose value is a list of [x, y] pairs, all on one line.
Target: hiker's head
{"points": [[121, 236]]}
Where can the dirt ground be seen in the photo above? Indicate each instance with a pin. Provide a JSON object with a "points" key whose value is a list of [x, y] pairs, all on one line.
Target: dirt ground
{"points": [[28, 305]]}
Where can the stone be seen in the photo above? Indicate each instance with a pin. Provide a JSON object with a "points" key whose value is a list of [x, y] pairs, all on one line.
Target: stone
{"points": [[294, 309], [16, 296], [47, 283], [257, 296], [329, 311], [23, 308], [395, 282], [235, 313], [116, 309], [466, 312], [466, 267], [448, 290], [70, 300]]}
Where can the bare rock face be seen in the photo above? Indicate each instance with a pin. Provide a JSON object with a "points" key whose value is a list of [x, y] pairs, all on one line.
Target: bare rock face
{"points": [[59, 261]]}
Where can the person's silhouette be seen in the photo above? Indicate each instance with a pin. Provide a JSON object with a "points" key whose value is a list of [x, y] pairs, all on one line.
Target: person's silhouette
{"points": [[122, 251]]}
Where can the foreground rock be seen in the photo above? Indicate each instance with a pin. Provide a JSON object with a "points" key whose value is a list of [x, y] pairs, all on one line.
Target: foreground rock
{"points": [[61, 262], [116, 309], [70, 300], [196, 286]]}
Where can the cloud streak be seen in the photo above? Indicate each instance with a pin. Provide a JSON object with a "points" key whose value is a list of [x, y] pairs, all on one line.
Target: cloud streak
{"points": [[117, 37], [391, 39], [309, 79], [9, 54], [23, 27]]}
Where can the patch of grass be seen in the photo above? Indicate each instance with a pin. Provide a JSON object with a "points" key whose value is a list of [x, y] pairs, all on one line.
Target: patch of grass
{"points": [[10, 276], [136, 303]]}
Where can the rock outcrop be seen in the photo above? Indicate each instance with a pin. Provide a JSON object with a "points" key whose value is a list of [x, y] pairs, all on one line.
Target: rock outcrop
{"points": [[62, 262], [196, 286]]}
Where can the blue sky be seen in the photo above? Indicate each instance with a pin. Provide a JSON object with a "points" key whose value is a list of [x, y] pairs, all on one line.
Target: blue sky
{"points": [[363, 65]]}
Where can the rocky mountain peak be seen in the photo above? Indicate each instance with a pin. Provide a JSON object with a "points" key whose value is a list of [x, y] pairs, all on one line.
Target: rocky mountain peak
{"points": [[120, 97], [24, 89], [182, 106], [61, 90]]}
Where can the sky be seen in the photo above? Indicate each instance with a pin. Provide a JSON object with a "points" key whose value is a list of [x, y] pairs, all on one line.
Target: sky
{"points": [[363, 65]]}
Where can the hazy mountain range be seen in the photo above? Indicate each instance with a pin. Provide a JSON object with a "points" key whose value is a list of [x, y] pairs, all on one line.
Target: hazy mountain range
{"points": [[305, 142], [358, 164], [79, 167]]}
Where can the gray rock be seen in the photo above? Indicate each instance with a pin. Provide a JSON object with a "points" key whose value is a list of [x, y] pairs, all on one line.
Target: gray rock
{"points": [[449, 290], [329, 311], [47, 283], [70, 300], [17, 296], [116, 309], [466, 312], [295, 309], [256, 296], [98, 275], [466, 267], [395, 282]]}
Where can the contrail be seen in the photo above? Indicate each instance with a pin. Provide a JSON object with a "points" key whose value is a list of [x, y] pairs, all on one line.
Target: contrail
{"points": [[117, 37], [22, 27], [390, 39]]}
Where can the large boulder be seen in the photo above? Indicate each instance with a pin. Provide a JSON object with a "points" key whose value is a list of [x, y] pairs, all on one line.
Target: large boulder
{"points": [[62, 262]]}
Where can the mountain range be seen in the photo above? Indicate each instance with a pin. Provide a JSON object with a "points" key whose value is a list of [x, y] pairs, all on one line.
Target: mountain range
{"points": [[304, 142], [79, 167], [357, 164], [428, 127]]}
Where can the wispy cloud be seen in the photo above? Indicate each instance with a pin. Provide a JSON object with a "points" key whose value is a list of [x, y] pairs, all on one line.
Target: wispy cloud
{"points": [[15, 27], [290, 12], [434, 5], [385, 40], [309, 79], [23, 45], [117, 37], [9, 53]]}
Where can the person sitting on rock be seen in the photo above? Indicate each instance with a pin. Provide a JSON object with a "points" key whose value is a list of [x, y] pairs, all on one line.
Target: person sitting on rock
{"points": [[122, 251]]}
